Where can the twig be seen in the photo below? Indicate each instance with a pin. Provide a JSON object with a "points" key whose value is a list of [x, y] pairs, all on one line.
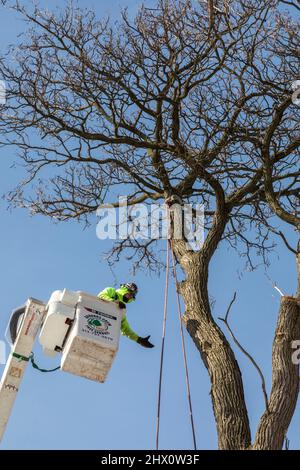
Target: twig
{"points": [[277, 288], [274, 285], [280, 234], [252, 360], [287, 243], [229, 308]]}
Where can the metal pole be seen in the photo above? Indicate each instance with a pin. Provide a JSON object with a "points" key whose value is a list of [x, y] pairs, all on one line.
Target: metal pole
{"points": [[17, 363]]}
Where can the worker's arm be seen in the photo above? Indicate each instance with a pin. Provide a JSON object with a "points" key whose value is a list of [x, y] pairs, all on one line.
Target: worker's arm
{"points": [[127, 331], [108, 294]]}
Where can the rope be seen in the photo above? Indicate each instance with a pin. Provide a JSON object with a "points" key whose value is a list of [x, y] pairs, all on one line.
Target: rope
{"points": [[162, 345], [170, 248], [34, 364], [187, 380]]}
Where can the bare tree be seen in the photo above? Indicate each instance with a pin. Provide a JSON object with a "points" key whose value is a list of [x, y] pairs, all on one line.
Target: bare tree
{"points": [[189, 100]]}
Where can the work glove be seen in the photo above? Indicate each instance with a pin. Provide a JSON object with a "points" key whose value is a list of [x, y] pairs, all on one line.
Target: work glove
{"points": [[145, 342]]}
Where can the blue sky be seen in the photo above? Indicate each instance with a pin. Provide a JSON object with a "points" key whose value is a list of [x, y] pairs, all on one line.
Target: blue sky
{"points": [[61, 411]]}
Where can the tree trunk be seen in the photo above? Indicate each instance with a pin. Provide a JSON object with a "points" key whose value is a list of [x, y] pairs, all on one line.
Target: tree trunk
{"points": [[298, 270], [226, 382], [285, 381]]}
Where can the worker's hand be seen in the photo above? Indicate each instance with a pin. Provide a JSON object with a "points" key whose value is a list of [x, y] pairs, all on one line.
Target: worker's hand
{"points": [[145, 342]]}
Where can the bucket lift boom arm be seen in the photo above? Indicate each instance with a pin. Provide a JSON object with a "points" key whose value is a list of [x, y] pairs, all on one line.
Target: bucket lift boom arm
{"points": [[18, 358]]}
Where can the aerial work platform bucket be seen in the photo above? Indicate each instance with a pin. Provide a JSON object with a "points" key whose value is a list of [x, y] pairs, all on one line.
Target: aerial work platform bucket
{"points": [[85, 329]]}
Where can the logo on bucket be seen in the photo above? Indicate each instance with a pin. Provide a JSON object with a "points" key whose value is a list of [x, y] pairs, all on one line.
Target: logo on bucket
{"points": [[97, 325]]}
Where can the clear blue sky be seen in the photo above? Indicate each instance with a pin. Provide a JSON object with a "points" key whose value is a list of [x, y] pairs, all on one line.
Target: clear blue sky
{"points": [[61, 411]]}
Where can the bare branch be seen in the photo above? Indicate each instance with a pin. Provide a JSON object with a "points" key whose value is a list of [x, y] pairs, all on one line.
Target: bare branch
{"points": [[251, 359]]}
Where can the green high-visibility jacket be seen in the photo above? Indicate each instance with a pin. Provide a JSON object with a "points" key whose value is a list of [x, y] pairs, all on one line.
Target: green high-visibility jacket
{"points": [[116, 295]]}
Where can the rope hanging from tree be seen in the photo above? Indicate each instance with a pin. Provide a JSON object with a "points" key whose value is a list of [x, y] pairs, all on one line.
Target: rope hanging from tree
{"points": [[170, 248]]}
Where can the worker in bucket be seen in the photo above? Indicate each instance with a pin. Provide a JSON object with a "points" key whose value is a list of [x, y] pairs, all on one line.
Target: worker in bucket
{"points": [[122, 296]]}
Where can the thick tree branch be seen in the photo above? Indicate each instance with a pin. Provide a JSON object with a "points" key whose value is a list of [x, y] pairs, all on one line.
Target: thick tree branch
{"points": [[285, 380]]}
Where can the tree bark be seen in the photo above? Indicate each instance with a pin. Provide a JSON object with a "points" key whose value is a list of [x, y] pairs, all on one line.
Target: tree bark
{"points": [[298, 269], [227, 391], [285, 379]]}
